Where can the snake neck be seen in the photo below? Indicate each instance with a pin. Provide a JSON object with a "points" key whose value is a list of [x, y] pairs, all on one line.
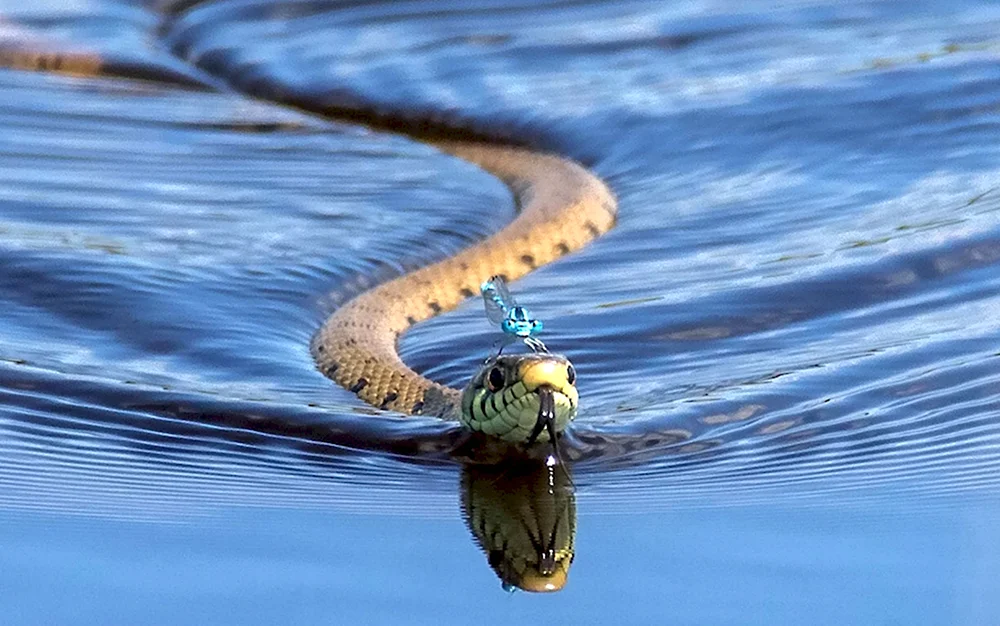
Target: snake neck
{"points": [[562, 207]]}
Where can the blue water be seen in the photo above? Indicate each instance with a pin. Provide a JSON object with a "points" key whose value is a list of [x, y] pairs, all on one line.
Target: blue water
{"points": [[742, 565], [787, 348]]}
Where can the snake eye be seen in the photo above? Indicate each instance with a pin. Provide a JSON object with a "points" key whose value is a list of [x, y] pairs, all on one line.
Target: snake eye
{"points": [[570, 374], [495, 380]]}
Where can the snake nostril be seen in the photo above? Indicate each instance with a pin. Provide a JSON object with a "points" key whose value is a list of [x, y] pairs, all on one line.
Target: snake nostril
{"points": [[570, 374], [495, 379]]}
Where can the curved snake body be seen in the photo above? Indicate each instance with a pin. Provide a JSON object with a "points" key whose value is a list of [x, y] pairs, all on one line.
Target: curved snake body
{"points": [[562, 207]]}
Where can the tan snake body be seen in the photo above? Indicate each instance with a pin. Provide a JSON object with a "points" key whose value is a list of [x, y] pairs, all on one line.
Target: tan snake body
{"points": [[562, 206]]}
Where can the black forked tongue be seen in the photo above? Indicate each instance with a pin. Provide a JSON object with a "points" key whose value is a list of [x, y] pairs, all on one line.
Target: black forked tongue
{"points": [[546, 415]]}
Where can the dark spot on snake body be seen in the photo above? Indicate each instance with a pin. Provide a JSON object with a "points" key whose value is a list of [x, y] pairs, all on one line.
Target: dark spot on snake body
{"points": [[434, 306], [528, 260], [562, 248], [358, 386], [411, 320], [592, 229], [463, 266], [331, 369], [466, 292], [320, 348], [417, 408], [389, 397], [504, 278]]}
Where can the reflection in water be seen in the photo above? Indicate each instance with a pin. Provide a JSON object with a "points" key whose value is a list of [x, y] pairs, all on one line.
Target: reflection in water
{"points": [[523, 516]]}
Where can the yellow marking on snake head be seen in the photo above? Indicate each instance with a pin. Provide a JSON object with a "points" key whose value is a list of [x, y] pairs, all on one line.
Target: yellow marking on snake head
{"points": [[557, 373]]}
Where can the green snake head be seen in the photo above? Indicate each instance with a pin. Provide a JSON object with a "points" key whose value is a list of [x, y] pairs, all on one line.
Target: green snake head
{"points": [[521, 398]]}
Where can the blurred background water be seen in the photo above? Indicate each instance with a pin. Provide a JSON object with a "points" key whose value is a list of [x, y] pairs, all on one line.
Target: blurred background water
{"points": [[787, 348]]}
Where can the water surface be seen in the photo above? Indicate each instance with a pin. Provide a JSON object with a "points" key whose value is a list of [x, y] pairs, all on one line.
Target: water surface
{"points": [[787, 348]]}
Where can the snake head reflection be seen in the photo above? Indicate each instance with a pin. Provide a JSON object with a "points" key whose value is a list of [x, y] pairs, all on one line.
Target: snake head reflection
{"points": [[523, 516]]}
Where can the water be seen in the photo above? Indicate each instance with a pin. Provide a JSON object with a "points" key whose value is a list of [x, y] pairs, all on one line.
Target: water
{"points": [[787, 349]]}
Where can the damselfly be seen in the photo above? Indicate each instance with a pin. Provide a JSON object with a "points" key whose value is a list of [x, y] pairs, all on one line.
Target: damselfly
{"points": [[515, 321]]}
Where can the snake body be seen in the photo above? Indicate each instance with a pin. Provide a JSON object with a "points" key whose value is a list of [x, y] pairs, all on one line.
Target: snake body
{"points": [[562, 206]]}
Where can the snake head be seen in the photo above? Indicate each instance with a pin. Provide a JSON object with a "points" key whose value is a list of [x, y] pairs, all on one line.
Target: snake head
{"points": [[521, 398]]}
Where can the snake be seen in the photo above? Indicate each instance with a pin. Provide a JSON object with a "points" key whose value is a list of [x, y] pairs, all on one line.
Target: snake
{"points": [[562, 206], [531, 397], [524, 520]]}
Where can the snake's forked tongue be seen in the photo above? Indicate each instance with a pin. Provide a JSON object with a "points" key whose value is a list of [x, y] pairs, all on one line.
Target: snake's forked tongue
{"points": [[546, 415]]}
